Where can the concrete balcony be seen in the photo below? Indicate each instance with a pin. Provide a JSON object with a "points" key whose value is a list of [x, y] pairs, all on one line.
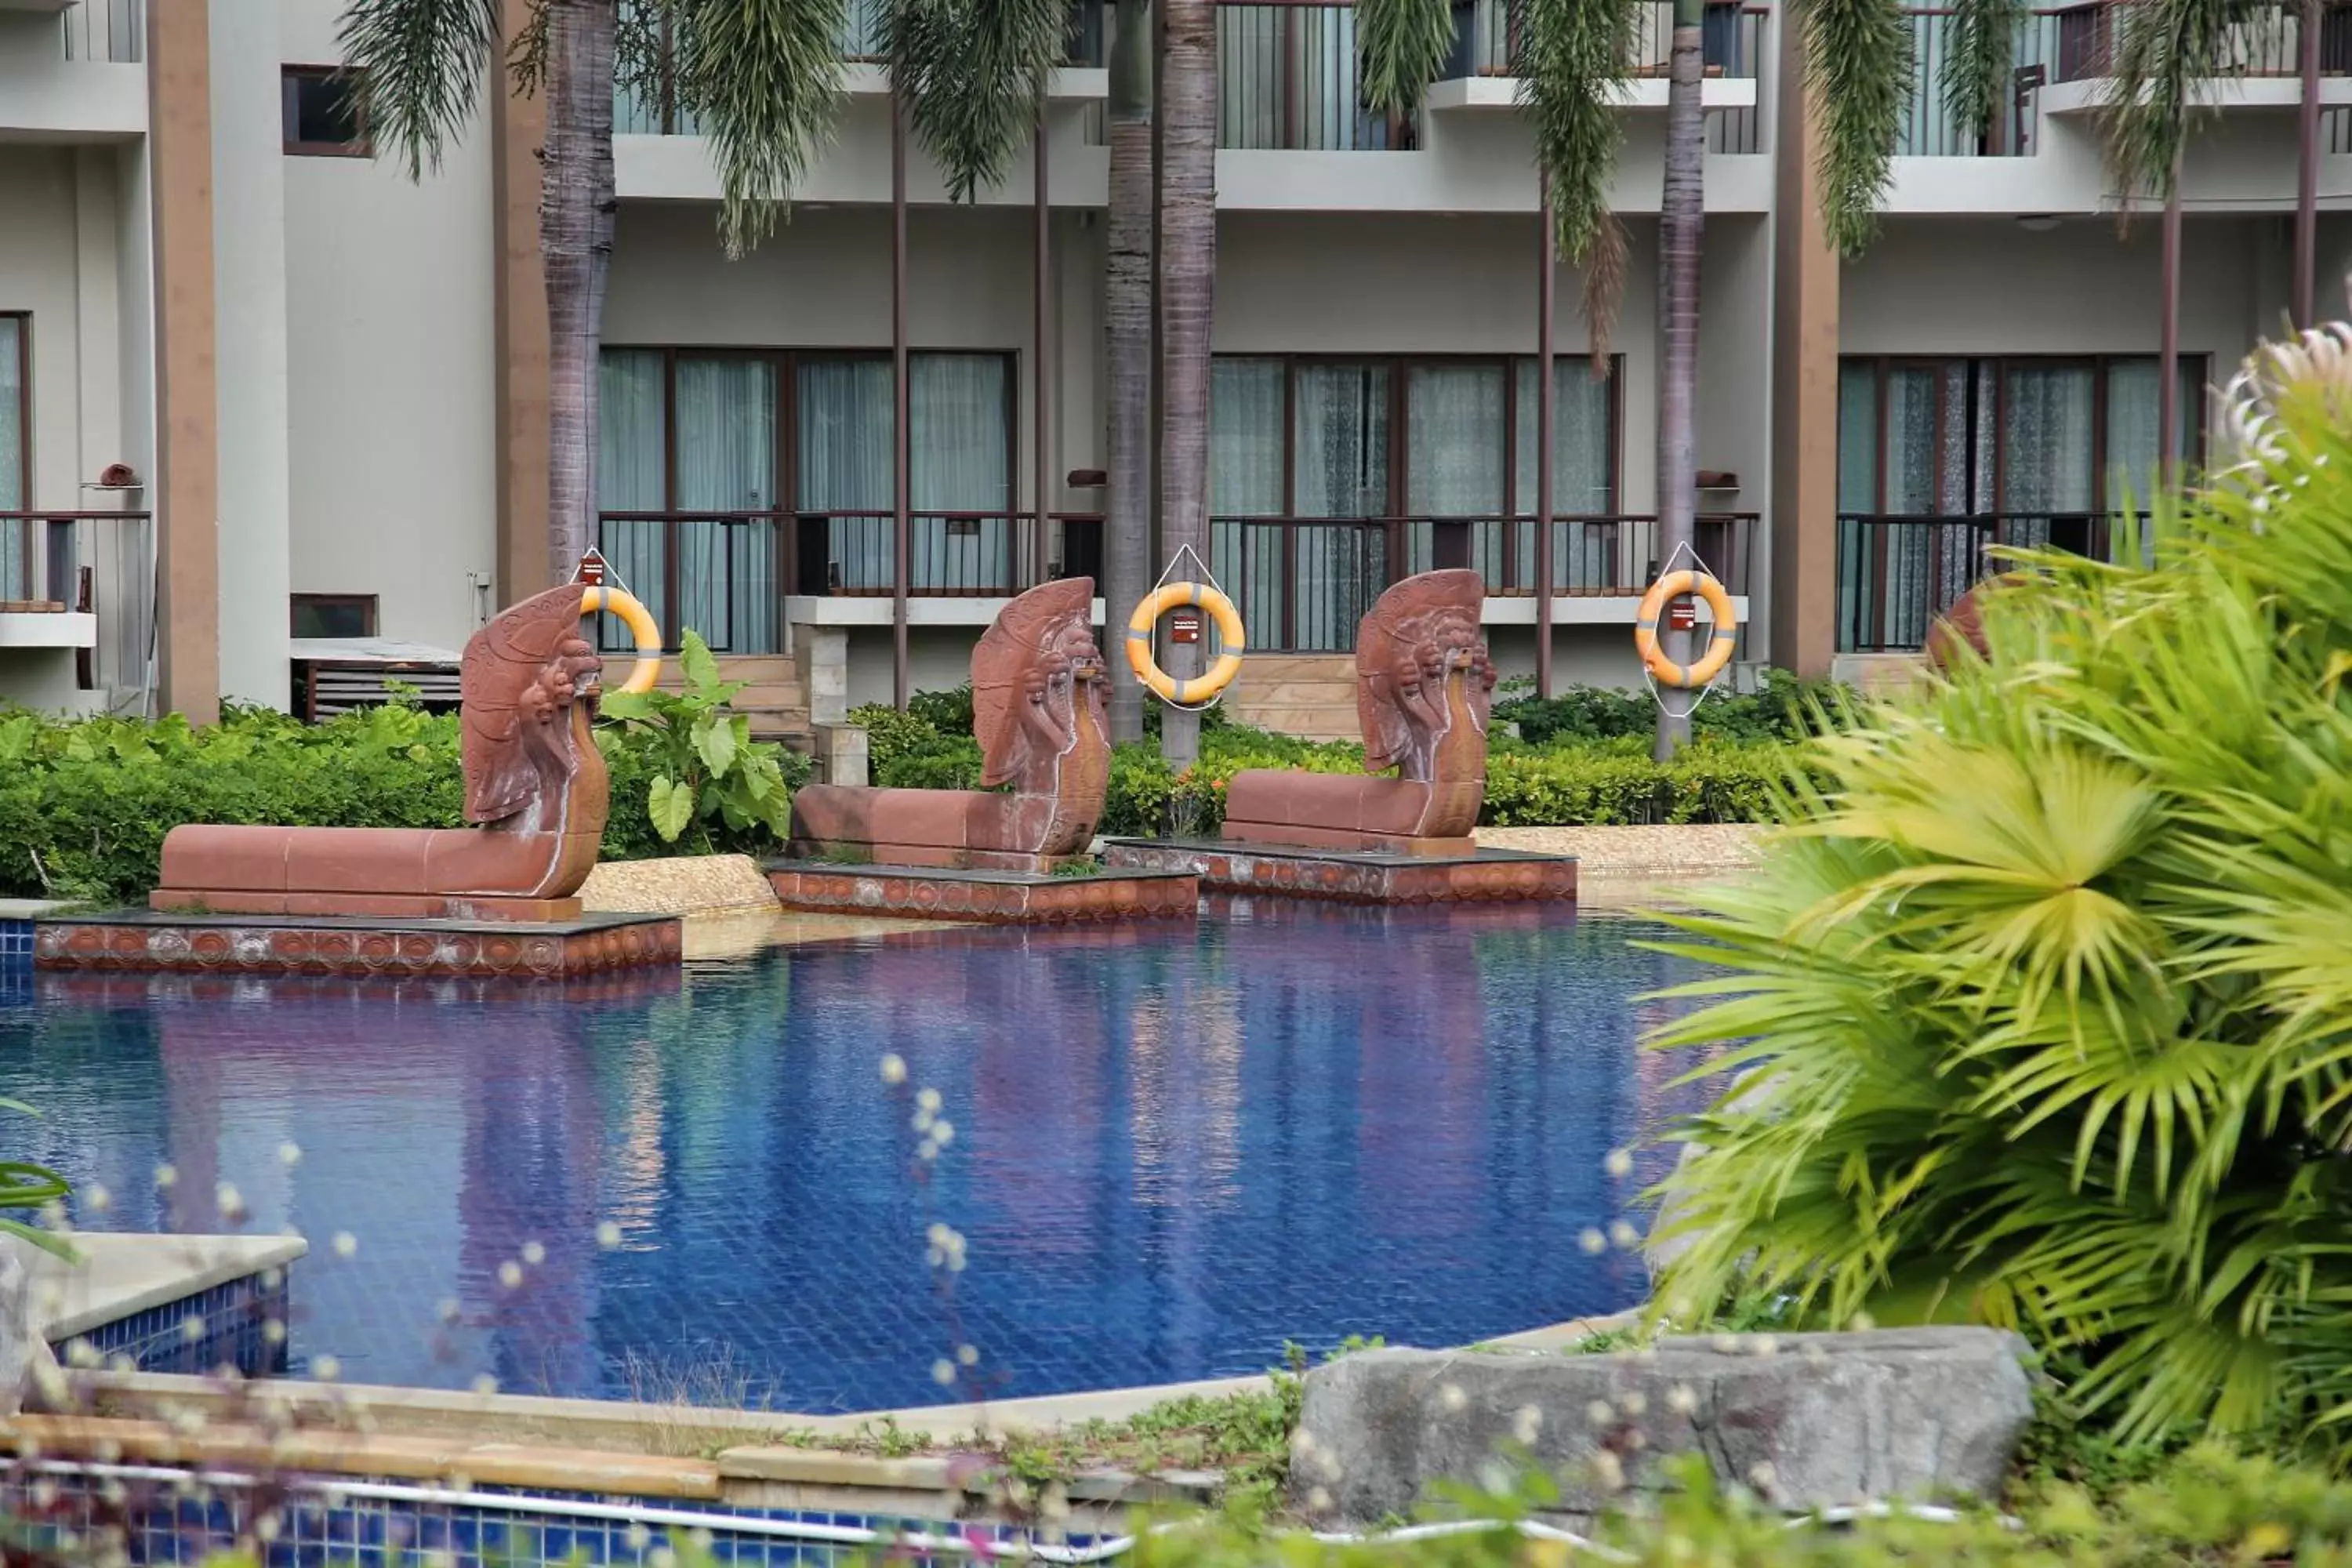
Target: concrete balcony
{"points": [[71, 70]]}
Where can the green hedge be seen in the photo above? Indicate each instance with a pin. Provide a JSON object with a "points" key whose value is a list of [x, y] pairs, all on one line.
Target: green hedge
{"points": [[84, 805], [1571, 780]]}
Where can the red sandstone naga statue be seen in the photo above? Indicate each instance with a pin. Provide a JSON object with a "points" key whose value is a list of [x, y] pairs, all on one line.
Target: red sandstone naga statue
{"points": [[1424, 684], [1038, 698], [534, 782]]}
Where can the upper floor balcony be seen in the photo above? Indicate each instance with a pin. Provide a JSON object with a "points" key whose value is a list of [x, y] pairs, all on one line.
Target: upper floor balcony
{"points": [[71, 70]]}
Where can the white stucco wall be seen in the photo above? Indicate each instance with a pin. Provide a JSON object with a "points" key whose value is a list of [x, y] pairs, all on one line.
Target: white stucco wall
{"points": [[390, 371], [40, 273]]}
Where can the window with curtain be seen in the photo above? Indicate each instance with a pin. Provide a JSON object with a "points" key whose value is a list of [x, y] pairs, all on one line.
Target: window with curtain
{"points": [[1456, 452], [843, 457], [1585, 555], [960, 414], [1245, 449], [1339, 435], [727, 463], [632, 475]]}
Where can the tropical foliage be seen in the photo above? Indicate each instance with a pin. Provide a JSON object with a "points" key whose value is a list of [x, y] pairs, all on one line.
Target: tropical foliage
{"points": [[2046, 991], [708, 771]]}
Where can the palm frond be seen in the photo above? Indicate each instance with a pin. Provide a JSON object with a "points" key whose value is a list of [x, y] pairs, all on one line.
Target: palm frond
{"points": [[1858, 69], [2160, 54], [974, 74], [419, 66], [1569, 56], [1979, 54], [1402, 46], [763, 78]]}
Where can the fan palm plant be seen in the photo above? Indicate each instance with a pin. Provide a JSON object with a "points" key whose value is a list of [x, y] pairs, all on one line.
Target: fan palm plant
{"points": [[1572, 59], [2046, 990], [762, 78]]}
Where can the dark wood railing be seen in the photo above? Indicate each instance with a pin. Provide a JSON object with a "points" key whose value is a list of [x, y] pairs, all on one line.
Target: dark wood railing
{"points": [[2267, 41], [100, 563], [1896, 576], [1486, 40]]}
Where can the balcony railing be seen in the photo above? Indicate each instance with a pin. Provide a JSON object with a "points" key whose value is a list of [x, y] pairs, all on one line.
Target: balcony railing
{"points": [[1486, 42], [110, 31], [726, 575], [1929, 130], [99, 563], [1303, 584], [2267, 41], [1286, 80], [1898, 576]]}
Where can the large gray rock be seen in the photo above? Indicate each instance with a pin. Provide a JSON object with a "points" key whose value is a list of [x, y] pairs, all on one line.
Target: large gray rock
{"points": [[1806, 1420]]}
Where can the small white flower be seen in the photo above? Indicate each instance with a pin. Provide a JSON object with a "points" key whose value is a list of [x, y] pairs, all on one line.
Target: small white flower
{"points": [[1526, 1424], [229, 1201], [486, 1385], [99, 1199], [968, 1355], [1620, 1163], [1451, 1397], [289, 1153], [1681, 1399], [1599, 1412], [167, 1174], [928, 1099], [82, 1353], [346, 1245], [661, 1557], [1765, 1345], [608, 1236], [943, 1372], [1761, 1475], [1625, 1236], [511, 1274], [533, 1254], [942, 1132], [191, 1327], [447, 1310], [1861, 1322], [1634, 1403], [639, 1538], [273, 1331], [326, 1368], [926, 1150], [1608, 1471], [1592, 1241], [894, 1068], [1727, 1344]]}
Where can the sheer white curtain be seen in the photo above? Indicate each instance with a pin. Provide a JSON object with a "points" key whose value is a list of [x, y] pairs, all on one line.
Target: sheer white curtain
{"points": [[1249, 76], [1340, 470], [1246, 441], [844, 448], [13, 569], [727, 462], [1454, 459], [1583, 554], [961, 462], [2046, 433], [632, 474]]}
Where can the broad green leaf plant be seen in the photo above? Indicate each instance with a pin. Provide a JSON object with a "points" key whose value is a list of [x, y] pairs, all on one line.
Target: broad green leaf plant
{"points": [[2044, 996], [709, 769], [27, 1188]]}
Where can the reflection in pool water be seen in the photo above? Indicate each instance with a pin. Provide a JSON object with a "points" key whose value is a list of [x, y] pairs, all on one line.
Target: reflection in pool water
{"points": [[1173, 1152]]}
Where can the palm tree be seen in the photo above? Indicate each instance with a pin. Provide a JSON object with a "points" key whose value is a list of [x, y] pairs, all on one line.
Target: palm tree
{"points": [[1570, 58], [1188, 276], [1127, 317], [762, 79]]}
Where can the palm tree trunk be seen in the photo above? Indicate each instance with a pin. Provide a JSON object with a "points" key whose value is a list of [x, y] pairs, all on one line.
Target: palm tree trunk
{"points": [[575, 237], [1681, 215], [1188, 275], [1127, 318]]}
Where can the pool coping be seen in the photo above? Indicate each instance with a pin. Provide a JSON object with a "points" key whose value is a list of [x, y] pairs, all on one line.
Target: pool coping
{"points": [[122, 1273]]}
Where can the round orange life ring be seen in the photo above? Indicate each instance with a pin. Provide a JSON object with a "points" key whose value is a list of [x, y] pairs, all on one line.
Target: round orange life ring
{"points": [[640, 622], [1158, 681], [1665, 591]]}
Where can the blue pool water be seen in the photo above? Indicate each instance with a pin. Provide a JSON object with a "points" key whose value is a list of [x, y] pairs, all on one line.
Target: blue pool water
{"points": [[1172, 1151]]}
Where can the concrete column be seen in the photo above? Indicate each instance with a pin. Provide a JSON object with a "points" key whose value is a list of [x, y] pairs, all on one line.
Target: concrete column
{"points": [[824, 655], [187, 438], [249, 294], [518, 130], [1803, 521]]}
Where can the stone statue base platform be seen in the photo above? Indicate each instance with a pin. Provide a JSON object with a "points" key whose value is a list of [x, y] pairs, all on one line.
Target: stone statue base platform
{"points": [[1355, 876], [995, 897], [152, 940]]}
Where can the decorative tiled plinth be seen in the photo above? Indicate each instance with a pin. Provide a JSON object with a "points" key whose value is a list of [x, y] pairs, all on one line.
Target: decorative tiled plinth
{"points": [[1357, 877], [141, 940], [998, 898]]}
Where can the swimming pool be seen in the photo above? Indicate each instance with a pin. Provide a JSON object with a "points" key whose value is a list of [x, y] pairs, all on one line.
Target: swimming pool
{"points": [[1170, 1152]]}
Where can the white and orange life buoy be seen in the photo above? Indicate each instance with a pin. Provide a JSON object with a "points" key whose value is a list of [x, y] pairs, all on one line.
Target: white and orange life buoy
{"points": [[1708, 665], [640, 622]]}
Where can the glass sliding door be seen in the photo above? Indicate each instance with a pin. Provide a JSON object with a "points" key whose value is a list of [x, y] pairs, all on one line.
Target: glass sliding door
{"points": [[1587, 550], [727, 582], [1339, 439], [961, 465], [1456, 443], [632, 475], [2049, 477], [1245, 482], [844, 466]]}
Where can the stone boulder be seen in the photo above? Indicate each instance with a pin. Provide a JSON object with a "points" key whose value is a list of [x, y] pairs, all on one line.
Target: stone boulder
{"points": [[1805, 1420]]}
